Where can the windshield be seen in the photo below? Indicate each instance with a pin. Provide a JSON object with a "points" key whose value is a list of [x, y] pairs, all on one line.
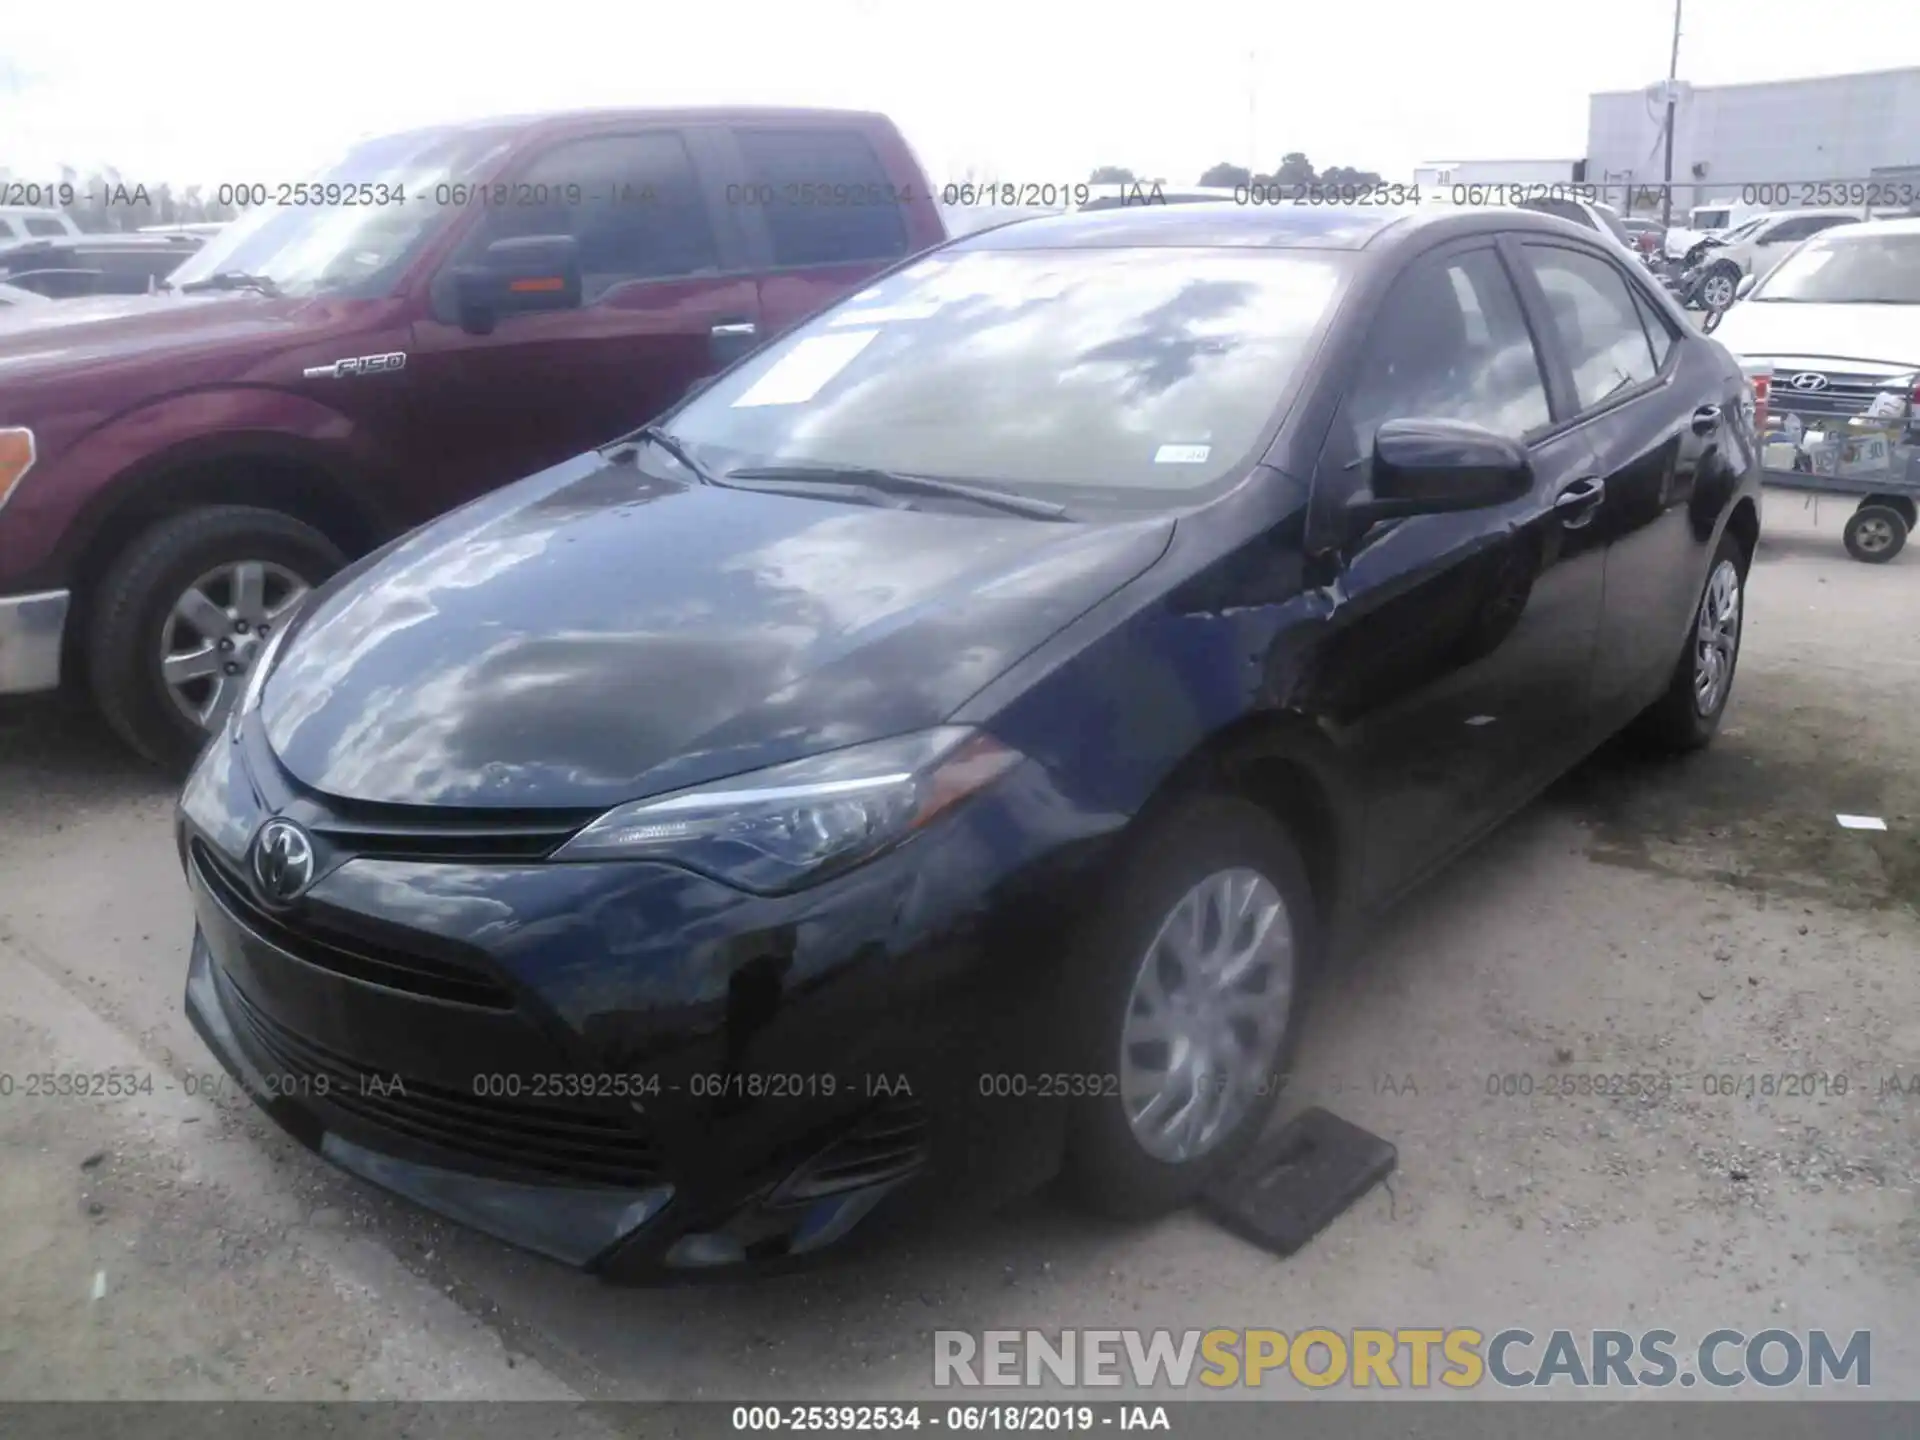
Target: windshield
{"points": [[1130, 376], [1744, 229], [350, 229], [1848, 269]]}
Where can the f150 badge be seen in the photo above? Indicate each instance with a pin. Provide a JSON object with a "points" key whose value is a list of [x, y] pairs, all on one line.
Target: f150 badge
{"points": [[358, 365]]}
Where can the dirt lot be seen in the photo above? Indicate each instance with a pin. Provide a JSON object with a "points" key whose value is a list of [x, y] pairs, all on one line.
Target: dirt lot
{"points": [[1706, 922]]}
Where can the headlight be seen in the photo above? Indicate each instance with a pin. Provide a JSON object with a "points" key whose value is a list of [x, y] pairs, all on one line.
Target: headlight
{"points": [[772, 830], [16, 458]]}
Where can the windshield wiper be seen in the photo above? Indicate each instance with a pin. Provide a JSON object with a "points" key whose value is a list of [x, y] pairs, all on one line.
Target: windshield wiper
{"points": [[890, 482], [232, 280], [624, 447]]}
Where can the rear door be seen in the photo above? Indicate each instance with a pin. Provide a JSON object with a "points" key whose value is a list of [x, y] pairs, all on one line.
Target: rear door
{"points": [[665, 281], [1458, 658], [822, 211], [1644, 396]]}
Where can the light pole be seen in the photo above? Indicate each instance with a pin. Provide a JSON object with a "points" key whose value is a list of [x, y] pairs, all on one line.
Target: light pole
{"points": [[1673, 74]]}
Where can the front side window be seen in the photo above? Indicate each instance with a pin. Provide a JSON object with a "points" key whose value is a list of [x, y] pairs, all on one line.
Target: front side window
{"points": [[351, 230], [1846, 268], [1450, 343], [632, 202], [1596, 321], [1131, 377], [826, 198]]}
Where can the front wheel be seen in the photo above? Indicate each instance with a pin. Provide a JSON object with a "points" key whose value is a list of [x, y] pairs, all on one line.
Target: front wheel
{"points": [[1193, 978], [183, 613], [1717, 287]]}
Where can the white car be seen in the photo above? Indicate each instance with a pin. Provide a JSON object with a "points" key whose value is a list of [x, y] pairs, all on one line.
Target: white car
{"points": [[1704, 221], [34, 222], [1831, 339], [1757, 246], [13, 297]]}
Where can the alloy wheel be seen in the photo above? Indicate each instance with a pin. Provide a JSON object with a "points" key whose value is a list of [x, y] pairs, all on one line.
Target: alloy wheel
{"points": [[1717, 291], [1207, 1014], [217, 629], [1873, 534], [1716, 639]]}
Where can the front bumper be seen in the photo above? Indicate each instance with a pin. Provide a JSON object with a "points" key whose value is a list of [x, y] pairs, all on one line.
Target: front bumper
{"points": [[32, 629], [630, 1068]]}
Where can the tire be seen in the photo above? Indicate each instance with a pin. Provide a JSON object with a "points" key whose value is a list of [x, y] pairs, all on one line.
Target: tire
{"points": [[1719, 281], [1876, 533], [1108, 1167], [137, 598], [1678, 721]]}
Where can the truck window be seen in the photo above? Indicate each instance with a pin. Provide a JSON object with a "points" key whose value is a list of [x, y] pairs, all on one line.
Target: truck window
{"points": [[41, 226], [633, 202], [825, 196]]}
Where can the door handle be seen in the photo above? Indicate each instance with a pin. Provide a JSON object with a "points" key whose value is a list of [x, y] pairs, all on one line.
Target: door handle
{"points": [[1580, 501], [734, 327], [1706, 419]]}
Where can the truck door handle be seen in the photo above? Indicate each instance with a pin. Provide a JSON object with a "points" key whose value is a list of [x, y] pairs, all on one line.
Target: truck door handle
{"points": [[1580, 501], [1706, 419], [728, 328]]}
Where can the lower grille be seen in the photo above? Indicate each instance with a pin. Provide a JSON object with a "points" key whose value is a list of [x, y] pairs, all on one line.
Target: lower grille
{"points": [[352, 956], [540, 1142], [887, 1143]]}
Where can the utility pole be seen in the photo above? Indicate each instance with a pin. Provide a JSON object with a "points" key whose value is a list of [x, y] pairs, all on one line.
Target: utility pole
{"points": [[1253, 113], [1673, 74]]}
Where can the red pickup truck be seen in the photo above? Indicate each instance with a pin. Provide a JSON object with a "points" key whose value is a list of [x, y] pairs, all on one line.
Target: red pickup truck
{"points": [[443, 311]]}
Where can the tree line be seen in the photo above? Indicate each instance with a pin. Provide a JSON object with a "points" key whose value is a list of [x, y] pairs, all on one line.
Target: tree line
{"points": [[105, 201], [1294, 169]]}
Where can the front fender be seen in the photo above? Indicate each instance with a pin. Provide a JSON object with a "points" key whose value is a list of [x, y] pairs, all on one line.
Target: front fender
{"points": [[61, 506]]}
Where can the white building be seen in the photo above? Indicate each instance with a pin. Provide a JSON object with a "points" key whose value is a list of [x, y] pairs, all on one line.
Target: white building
{"points": [[1440, 174], [1728, 139]]}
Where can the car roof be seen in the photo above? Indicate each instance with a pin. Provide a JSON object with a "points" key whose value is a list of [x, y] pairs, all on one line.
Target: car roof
{"points": [[533, 119], [1212, 225], [1893, 225]]}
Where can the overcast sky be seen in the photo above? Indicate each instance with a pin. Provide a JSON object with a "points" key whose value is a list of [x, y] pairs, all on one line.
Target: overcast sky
{"points": [[1028, 89]]}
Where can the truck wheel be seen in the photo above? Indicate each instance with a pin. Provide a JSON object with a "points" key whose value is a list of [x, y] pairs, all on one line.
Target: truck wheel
{"points": [[1875, 533], [1189, 985], [182, 613]]}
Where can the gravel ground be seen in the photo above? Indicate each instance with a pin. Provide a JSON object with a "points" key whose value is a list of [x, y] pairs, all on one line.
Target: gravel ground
{"points": [[1706, 924]]}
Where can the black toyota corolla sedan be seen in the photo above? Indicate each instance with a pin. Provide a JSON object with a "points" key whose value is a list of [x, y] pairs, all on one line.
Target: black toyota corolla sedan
{"points": [[935, 755]]}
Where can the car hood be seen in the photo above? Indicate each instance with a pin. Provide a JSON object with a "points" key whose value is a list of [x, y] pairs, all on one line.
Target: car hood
{"points": [[1872, 334], [83, 334], [593, 634]]}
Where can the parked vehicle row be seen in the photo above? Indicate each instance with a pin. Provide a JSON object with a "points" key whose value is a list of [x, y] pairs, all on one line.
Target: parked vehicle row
{"points": [[73, 266], [182, 469]]}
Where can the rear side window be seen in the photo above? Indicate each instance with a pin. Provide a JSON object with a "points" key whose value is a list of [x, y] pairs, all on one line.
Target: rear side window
{"points": [[1450, 343], [1597, 321], [1659, 334], [41, 226], [825, 196], [633, 202]]}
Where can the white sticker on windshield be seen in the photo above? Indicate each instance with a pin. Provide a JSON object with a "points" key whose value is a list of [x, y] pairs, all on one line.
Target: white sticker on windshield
{"points": [[798, 375], [886, 314], [1182, 454]]}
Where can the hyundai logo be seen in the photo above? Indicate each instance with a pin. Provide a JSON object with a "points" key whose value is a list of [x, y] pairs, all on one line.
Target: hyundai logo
{"points": [[282, 860], [1809, 381]]}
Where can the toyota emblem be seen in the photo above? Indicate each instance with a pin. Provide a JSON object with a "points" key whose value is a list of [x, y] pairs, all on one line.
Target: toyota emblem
{"points": [[1809, 381], [282, 860]]}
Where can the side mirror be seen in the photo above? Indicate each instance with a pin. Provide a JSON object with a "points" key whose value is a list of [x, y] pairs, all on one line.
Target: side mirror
{"points": [[1745, 287], [531, 272], [1425, 467]]}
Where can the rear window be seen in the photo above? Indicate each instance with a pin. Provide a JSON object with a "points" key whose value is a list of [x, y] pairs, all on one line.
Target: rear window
{"points": [[826, 197], [1709, 219]]}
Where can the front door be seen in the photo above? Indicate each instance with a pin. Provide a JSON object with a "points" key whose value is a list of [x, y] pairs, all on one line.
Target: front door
{"points": [[665, 289], [1459, 650]]}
